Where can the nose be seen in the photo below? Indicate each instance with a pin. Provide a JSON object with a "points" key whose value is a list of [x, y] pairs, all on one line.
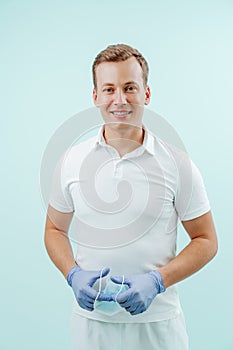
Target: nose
{"points": [[119, 97]]}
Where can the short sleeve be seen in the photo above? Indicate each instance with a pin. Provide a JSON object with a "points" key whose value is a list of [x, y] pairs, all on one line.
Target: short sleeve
{"points": [[191, 197], [60, 197]]}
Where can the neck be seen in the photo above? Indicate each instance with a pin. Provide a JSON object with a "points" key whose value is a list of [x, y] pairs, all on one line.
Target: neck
{"points": [[125, 140]]}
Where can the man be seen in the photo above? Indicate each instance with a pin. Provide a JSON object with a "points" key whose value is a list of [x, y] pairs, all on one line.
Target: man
{"points": [[138, 307]]}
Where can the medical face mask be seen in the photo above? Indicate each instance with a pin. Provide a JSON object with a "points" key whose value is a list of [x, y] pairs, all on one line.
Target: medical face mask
{"points": [[110, 308]]}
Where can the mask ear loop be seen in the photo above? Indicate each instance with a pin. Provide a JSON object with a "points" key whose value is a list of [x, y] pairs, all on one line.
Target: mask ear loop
{"points": [[100, 285], [123, 280]]}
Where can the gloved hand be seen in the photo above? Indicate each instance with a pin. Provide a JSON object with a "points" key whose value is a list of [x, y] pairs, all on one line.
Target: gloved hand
{"points": [[143, 288], [81, 282]]}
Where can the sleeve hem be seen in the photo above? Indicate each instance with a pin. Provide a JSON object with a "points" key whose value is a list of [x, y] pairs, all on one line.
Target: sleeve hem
{"points": [[60, 208], [195, 214]]}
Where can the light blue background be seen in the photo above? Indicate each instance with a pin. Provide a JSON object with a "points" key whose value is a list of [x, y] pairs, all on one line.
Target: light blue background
{"points": [[47, 49]]}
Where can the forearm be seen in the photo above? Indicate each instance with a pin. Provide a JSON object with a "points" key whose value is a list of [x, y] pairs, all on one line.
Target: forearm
{"points": [[191, 259], [59, 250]]}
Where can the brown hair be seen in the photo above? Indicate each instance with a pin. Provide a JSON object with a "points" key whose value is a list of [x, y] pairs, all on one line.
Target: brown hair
{"points": [[118, 53]]}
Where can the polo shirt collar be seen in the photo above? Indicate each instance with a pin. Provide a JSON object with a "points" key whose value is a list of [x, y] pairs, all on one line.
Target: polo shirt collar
{"points": [[148, 141]]}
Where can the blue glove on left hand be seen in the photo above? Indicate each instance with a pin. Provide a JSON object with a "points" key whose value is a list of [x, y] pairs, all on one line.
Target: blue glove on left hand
{"points": [[82, 282], [143, 288]]}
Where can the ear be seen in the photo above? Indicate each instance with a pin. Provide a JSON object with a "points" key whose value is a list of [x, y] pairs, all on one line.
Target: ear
{"points": [[147, 95], [95, 97]]}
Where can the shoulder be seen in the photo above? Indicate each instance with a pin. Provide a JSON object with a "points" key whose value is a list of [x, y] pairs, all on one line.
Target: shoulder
{"points": [[71, 160], [169, 154], [79, 151]]}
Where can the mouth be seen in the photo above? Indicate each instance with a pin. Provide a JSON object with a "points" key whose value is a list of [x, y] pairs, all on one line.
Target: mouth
{"points": [[121, 114]]}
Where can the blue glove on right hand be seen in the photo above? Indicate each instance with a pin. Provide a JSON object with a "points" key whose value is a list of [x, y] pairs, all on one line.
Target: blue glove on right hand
{"points": [[143, 288], [82, 281]]}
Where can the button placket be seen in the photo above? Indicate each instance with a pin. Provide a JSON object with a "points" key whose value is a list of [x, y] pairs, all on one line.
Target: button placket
{"points": [[118, 168]]}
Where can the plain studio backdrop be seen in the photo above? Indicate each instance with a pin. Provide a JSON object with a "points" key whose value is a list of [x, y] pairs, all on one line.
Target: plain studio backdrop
{"points": [[47, 49]]}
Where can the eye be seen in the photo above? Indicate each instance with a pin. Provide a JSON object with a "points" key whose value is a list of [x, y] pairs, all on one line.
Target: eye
{"points": [[131, 88], [108, 90]]}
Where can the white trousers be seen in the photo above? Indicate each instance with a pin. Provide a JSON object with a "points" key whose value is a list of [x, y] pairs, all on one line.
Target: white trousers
{"points": [[88, 334]]}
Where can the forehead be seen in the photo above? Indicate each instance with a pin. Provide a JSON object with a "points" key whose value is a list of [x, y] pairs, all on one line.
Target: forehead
{"points": [[115, 72]]}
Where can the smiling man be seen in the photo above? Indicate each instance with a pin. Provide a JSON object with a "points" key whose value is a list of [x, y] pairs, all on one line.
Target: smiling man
{"points": [[120, 94], [124, 280]]}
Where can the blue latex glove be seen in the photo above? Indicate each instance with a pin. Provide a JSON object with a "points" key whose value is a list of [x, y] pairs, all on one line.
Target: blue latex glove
{"points": [[81, 282], [143, 288]]}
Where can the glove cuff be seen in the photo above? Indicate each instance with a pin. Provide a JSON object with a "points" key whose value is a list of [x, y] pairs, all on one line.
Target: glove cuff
{"points": [[71, 273], [158, 280]]}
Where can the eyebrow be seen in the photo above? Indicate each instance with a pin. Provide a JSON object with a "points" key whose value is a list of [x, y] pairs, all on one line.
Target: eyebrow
{"points": [[107, 84], [131, 82], [128, 83]]}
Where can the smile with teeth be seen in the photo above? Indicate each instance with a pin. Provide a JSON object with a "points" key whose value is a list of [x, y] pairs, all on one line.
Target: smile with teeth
{"points": [[119, 113]]}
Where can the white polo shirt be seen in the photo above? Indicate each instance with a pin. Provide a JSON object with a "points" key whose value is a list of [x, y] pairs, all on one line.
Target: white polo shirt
{"points": [[126, 211]]}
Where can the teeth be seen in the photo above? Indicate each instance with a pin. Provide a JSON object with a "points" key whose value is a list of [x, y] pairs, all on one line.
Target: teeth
{"points": [[120, 113]]}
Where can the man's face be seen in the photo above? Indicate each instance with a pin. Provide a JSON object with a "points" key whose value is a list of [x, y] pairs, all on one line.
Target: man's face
{"points": [[120, 93]]}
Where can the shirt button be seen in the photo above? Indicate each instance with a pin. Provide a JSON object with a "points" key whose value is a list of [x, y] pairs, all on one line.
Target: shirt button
{"points": [[118, 170]]}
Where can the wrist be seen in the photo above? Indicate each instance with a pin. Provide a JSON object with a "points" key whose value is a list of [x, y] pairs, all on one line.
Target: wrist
{"points": [[158, 280], [71, 273]]}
